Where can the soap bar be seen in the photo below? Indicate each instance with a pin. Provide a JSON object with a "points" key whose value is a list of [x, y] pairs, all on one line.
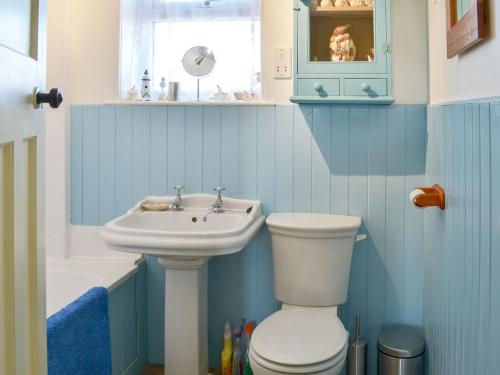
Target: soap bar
{"points": [[150, 206]]}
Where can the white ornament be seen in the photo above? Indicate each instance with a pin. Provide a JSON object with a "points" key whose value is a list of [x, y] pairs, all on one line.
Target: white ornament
{"points": [[340, 3], [220, 96], [356, 3], [163, 84], [132, 94], [146, 89], [326, 3]]}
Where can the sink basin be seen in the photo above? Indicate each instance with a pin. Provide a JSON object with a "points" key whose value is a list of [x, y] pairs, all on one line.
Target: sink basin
{"points": [[184, 233], [183, 242]]}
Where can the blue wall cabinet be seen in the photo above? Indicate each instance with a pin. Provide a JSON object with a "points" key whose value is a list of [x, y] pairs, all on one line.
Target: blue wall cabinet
{"points": [[342, 51]]}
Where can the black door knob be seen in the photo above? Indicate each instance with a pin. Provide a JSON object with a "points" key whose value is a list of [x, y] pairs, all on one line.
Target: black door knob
{"points": [[54, 98]]}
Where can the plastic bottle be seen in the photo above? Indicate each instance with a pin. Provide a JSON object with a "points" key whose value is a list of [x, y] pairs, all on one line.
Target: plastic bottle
{"points": [[227, 353], [249, 327], [244, 344], [237, 349], [237, 369]]}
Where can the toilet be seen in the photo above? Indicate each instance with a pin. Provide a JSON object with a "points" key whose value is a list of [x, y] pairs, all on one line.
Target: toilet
{"points": [[312, 255]]}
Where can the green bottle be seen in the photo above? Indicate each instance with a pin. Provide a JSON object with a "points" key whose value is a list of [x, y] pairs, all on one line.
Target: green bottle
{"points": [[247, 370], [249, 327]]}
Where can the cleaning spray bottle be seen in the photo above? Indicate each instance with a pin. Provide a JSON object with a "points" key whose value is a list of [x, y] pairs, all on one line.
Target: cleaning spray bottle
{"points": [[227, 353], [247, 335], [237, 366]]}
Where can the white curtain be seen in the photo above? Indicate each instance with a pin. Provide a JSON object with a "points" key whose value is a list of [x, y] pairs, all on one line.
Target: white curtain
{"points": [[155, 34]]}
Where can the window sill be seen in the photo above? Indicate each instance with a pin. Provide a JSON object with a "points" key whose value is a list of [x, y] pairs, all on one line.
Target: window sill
{"points": [[191, 103]]}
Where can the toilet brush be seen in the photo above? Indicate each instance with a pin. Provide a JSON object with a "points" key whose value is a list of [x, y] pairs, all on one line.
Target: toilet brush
{"points": [[356, 355]]}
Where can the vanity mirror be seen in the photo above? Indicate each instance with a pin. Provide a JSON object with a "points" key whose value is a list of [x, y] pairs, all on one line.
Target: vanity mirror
{"points": [[466, 25], [198, 61]]}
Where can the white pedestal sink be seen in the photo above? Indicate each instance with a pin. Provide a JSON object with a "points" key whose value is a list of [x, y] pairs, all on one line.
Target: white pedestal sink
{"points": [[183, 243]]}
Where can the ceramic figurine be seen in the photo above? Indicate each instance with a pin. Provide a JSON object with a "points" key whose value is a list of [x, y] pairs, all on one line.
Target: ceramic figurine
{"points": [[371, 55], [163, 84], [220, 96], [342, 46], [356, 3], [340, 3], [368, 3], [146, 89], [326, 3], [132, 94], [245, 95]]}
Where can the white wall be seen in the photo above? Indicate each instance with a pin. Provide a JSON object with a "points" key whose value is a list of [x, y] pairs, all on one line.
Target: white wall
{"points": [[471, 75], [57, 165], [409, 51], [93, 31], [277, 32], [82, 61]]}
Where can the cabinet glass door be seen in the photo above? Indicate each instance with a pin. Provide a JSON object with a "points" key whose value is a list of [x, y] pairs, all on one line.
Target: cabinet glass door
{"points": [[341, 36]]}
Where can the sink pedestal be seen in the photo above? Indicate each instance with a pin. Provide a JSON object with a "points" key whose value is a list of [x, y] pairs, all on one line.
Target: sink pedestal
{"points": [[186, 331]]}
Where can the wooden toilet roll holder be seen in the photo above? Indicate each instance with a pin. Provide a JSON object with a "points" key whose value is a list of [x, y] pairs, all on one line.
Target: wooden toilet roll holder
{"points": [[434, 196]]}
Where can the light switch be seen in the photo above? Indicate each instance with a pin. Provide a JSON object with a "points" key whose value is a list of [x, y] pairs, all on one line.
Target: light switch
{"points": [[283, 63]]}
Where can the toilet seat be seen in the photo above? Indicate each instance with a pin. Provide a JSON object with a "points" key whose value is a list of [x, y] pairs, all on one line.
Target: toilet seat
{"points": [[299, 341], [337, 361]]}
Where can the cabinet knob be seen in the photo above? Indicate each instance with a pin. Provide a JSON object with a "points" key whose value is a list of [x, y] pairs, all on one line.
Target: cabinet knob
{"points": [[318, 87], [365, 87]]}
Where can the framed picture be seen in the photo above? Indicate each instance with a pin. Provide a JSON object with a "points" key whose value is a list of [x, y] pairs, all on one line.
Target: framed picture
{"points": [[466, 24]]}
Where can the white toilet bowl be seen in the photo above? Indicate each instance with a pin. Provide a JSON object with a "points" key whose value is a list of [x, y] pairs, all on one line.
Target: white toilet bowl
{"points": [[312, 260], [299, 341]]}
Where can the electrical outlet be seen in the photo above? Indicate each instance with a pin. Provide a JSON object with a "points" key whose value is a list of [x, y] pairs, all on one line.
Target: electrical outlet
{"points": [[282, 63]]}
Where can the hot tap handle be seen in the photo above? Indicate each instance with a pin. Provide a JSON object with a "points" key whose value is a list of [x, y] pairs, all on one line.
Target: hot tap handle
{"points": [[179, 189], [219, 190]]}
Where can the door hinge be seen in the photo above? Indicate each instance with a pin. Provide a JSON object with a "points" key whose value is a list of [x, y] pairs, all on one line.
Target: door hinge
{"points": [[386, 48]]}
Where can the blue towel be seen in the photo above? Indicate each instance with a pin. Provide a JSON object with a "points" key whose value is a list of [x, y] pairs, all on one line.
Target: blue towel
{"points": [[78, 339]]}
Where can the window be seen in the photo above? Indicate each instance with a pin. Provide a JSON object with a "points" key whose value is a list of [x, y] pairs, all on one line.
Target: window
{"points": [[155, 36]]}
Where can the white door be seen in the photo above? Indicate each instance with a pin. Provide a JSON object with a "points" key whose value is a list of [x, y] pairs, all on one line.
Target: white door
{"points": [[22, 259]]}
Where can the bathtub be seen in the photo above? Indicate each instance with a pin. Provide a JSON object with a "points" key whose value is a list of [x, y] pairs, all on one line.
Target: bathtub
{"points": [[69, 278]]}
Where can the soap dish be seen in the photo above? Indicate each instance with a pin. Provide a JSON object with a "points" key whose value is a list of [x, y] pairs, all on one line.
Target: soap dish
{"points": [[152, 206]]}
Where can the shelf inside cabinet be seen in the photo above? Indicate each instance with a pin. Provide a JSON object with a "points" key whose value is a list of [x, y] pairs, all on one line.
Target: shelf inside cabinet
{"points": [[362, 11]]}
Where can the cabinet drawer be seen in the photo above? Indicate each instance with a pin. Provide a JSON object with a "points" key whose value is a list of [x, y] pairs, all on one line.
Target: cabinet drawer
{"points": [[320, 87], [365, 87]]}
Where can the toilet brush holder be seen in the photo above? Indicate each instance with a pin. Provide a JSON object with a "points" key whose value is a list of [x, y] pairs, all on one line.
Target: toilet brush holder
{"points": [[357, 353]]}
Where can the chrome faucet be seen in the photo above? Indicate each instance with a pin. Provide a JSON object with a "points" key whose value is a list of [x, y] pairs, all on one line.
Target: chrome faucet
{"points": [[176, 206], [217, 207], [219, 203]]}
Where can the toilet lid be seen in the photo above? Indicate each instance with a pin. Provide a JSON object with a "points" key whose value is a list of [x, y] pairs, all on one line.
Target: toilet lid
{"points": [[299, 337]]}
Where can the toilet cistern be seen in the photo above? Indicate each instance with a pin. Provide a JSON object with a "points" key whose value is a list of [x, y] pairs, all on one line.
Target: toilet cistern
{"points": [[312, 255]]}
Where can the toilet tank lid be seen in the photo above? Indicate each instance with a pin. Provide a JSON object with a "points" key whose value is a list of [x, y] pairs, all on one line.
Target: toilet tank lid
{"points": [[314, 223]]}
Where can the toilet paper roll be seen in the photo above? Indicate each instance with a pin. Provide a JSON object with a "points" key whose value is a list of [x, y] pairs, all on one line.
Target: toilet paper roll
{"points": [[413, 196]]}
